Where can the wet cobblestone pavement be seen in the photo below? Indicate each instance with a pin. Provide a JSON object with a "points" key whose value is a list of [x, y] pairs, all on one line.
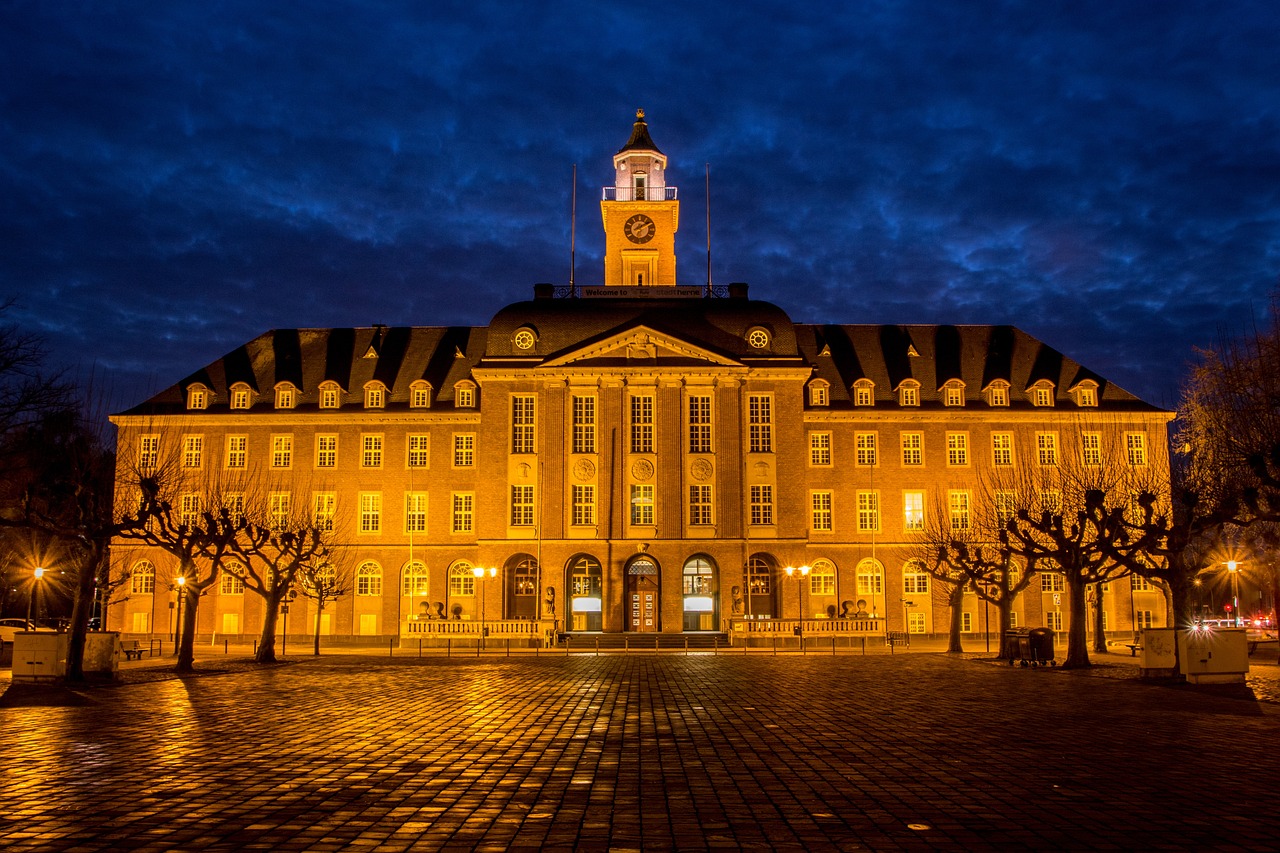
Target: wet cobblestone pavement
{"points": [[640, 752]]}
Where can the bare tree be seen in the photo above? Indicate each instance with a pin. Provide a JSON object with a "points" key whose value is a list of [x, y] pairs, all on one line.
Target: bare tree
{"points": [[324, 580]]}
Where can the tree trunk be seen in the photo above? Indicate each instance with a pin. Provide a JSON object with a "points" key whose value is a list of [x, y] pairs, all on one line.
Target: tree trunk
{"points": [[1099, 620], [267, 643], [1004, 609], [1077, 641], [956, 600], [187, 645], [319, 611], [81, 611]]}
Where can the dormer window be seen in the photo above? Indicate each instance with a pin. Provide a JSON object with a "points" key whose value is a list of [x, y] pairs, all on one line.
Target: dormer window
{"points": [[909, 393], [1086, 394], [197, 397], [240, 397], [375, 395], [758, 337], [330, 395], [286, 396], [953, 393], [464, 395], [819, 393], [998, 394], [420, 395], [1042, 394], [524, 338], [864, 393]]}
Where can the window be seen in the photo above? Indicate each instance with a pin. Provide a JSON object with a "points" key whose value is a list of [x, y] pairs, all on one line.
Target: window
{"points": [[915, 580], [1091, 449], [913, 511], [760, 423], [584, 505], [870, 578], [286, 396], [1087, 396], [522, 424], [958, 505], [758, 338], [464, 396], [641, 424], [420, 395], [142, 579], [1042, 396], [1052, 582], [149, 452], [464, 449], [237, 451], [1002, 449], [909, 393], [1136, 445], [966, 622], [642, 504], [700, 505], [1006, 509], [371, 512], [369, 579], [700, 424], [1139, 584], [524, 339], [522, 506], [819, 394], [1143, 619], [324, 506], [865, 448], [281, 451], [821, 505], [415, 512], [820, 449], [822, 580], [192, 451], [329, 398], [1051, 501], [370, 451], [463, 512], [696, 578], [953, 394], [239, 396], [419, 451], [189, 510], [326, 451], [232, 582], [278, 505], [957, 448], [234, 504], [584, 424], [462, 580], [912, 448], [197, 397], [998, 394], [1013, 619], [863, 393], [414, 579], [762, 504], [868, 512], [1047, 448], [1053, 620]]}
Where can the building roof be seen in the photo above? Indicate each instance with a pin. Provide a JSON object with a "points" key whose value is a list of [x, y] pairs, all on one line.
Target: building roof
{"points": [[640, 139]]}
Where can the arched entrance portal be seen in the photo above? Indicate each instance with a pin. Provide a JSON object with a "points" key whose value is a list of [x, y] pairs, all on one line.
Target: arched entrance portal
{"points": [[585, 588], [521, 579], [699, 589], [643, 586], [760, 602]]}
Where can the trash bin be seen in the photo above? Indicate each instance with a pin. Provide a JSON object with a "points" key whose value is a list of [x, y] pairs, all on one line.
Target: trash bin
{"points": [[1018, 641], [1040, 641]]}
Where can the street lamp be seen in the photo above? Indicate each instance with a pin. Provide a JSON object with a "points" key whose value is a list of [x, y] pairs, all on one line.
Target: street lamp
{"points": [[37, 575], [479, 572], [1234, 568], [804, 573], [181, 584]]}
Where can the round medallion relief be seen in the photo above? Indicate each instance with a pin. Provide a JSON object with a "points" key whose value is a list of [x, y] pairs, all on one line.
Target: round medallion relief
{"points": [[761, 469], [701, 469], [642, 470], [584, 469]]}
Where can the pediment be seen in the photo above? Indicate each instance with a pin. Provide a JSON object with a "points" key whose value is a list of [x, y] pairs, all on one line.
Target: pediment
{"points": [[640, 344]]}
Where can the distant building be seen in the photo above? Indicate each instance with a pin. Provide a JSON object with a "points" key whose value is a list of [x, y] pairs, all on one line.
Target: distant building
{"points": [[633, 457]]}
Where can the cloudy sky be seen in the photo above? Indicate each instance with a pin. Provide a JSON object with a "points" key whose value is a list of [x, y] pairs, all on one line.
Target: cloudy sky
{"points": [[178, 177]]}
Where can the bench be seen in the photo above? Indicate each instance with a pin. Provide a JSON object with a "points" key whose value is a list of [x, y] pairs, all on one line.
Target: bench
{"points": [[1133, 648], [134, 651]]}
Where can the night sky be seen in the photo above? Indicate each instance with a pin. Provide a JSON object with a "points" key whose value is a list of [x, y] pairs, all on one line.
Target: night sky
{"points": [[178, 177]]}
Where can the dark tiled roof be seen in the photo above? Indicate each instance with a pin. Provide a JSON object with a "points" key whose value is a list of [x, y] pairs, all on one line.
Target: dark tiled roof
{"points": [[640, 139]]}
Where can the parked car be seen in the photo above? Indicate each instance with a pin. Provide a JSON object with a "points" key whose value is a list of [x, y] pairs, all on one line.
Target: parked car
{"points": [[9, 627]]}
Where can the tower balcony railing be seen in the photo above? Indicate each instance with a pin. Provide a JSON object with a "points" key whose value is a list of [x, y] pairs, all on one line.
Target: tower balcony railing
{"points": [[639, 194]]}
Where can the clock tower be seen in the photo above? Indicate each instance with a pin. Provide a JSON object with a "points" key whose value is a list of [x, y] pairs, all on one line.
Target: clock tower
{"points": [[641, 215]]}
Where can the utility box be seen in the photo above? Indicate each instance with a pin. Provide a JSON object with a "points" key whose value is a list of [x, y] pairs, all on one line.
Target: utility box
{"points": [[1159, 652], [39, 655], [1212, 655]]}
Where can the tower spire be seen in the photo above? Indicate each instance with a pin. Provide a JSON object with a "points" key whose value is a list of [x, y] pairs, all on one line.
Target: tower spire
{"points": [[641, 214]]}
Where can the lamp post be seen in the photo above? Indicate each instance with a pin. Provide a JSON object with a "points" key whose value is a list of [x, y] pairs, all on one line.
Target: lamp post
{"points": [[479, 572], [804, 573], [37, 575], [1234, 568], [180, 584]]}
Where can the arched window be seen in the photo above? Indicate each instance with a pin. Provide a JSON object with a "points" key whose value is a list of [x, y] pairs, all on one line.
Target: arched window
{"points": [[915, 580], [369, 579], [526, 577], [232, 579], [330, 395], [286, 395], [870, 578], [375, 395], [759, 577], [240, 395], [420, 394], [698, 574], [414, 581], [819, 392], [864, 393], [197, 396], [462, 579], [142, 578], [822, 578]]}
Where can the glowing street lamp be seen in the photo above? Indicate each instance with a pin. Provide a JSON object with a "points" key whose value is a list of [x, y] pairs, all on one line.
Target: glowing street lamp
{"points": [[37, 575], [480, 572], [804, 573], [1234, 568]]}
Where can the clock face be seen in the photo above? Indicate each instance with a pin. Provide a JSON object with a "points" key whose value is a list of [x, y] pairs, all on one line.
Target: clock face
{"points": [[639, 229]]}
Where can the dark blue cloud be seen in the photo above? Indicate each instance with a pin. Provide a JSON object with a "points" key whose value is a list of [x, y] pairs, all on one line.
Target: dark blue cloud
{"points": [[180, 177]]}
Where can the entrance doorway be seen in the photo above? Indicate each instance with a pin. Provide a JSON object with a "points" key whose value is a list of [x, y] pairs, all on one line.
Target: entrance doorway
{"points": [[642, 596], [585, 590], [522, 590], [760, 601], [698, 586]]}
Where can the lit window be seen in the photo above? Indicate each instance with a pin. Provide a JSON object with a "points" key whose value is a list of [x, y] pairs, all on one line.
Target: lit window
{"points": [[870, 578], [522, 506], [415, 512], [998, 394], [820, 448], [700, 424], [326, 451], [414, 579], [863, 393], [324, 506], [1139, 584], [239, 396], [758, 338], [865, 448], [234, 504], [1087, 396], [232, 582], [958, 505], [197, 397], [371, 512], [584, 424], [142, 579], [957, 448], [279, 505], [189, 510], [1051, 501], [641, 424], [286, 396], [462, 580], [192, 451], [953, 394], [1136, 444], [281, 451], [819, 394], [375, 395], [1042, 396], [821, 519], [1047, 448], [762, 504], [369, 579], [464, 449], [464, 396], [522, 424], [760, 423], [700, 508], [1005, 508], [912, 448], [642, 504], [330, 397], [868, 512], [371, 451], [463, 512], [419, 451], [1052, 582], [1002, 449], [909, 394], [915, 580], [524, 339], [420, 395], [1091, 449], [237, 451], [148, 452], [822, 578], [584, 505], [913, 511]]}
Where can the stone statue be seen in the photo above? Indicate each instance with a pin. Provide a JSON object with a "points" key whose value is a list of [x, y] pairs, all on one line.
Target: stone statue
{"points": [[551, 602], [736, 592]]}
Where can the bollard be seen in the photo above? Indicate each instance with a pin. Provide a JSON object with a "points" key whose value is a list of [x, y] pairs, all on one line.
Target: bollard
{"points": [[508, 647], [255, 647], [775, 645], [597, 647], [686, 646], [448, 647], [419, 647], [833, 646], [715, 646], [626, 645], [226, 648], [391, 648]]}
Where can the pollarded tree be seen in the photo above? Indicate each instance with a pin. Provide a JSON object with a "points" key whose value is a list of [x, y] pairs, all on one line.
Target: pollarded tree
{"points": [[324, 580]]}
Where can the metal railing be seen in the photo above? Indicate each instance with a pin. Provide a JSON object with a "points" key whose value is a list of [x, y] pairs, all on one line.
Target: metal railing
{"points": [[475, 628], [645, 193], [809, 627]]}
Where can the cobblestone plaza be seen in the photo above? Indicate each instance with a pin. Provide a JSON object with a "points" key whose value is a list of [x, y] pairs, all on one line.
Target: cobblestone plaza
{"points": [[637, 752]]}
